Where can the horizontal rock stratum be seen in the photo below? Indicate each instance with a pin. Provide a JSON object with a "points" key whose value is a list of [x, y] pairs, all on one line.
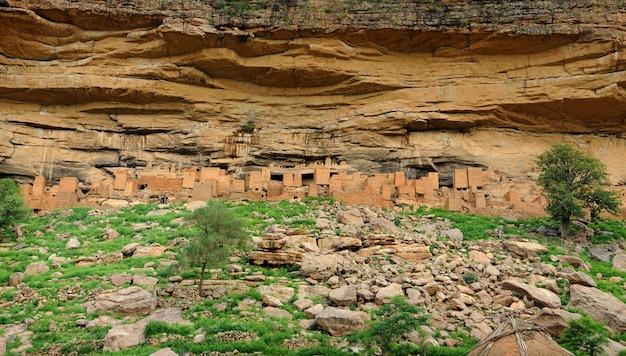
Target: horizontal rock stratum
{"points": [[385, 86]]}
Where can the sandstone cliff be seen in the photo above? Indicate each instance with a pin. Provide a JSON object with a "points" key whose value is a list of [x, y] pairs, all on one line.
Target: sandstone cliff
{"points": [[416, 86]]}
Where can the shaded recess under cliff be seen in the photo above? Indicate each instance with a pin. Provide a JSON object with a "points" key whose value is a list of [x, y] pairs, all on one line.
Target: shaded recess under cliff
{"points": [[386, 86]]}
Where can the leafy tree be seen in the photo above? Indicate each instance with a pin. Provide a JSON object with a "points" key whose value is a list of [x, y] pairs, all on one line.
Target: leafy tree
{"points": [[388, 325], [12, 207], [220, 234], [572, 181], [584, 336]]}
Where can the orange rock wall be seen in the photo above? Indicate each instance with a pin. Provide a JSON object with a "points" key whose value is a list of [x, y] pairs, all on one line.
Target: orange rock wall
{"points": [[395, 86]]}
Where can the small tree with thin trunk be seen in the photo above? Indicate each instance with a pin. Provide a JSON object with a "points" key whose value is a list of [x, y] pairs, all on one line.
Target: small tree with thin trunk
{"points": [[220, 234], [572, 181]]}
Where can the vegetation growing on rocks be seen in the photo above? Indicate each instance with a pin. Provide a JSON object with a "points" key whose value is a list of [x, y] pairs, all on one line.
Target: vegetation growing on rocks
{"points": [[54, 281]]}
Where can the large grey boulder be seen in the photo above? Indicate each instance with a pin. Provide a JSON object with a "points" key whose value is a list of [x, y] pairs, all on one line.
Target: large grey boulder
{"points": [[318, 267], [340, 322], [343, 296], [386, 294], [351, 217], [619, 262], [129, 335], [36, 268], [580, 278], [556, 320], [525, 249], [126, 301], [541, 296], [601, 306]]}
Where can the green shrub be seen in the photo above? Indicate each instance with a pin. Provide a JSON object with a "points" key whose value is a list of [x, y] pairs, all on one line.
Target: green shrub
{"points": [[388, 325], [12, 208], [470, 278], [584, 336]]}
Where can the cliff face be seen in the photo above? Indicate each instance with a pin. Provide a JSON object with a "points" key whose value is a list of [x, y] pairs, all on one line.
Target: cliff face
{"points": [[385, 86]]}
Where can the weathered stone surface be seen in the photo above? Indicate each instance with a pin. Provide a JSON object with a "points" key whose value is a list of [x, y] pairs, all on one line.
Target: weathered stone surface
{"points": [[283, 293], [129, 335], [542, 297], [276, 313], [153, 250], [121, 278], [371, 118], [273, 258], [16, 278], [575, 261], [352, 217], [600, 254], [525, 248], [164, 352], [601, 306], [343, 296], [480, 257], [36, 268], [318, 267], [72, 243], [580, 278], [554, 319], [112, 257], [127, 301], [130, 248], [385, 294], [110, 234], [619, 262], [339, 322]]}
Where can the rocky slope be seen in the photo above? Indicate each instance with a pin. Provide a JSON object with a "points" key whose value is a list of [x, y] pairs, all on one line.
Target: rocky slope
{"points": [[353, 260], [414, 86]]}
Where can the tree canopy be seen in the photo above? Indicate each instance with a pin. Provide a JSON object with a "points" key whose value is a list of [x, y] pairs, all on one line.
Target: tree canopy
{"points": [[573, 181], [220, 234], [12, 207]]}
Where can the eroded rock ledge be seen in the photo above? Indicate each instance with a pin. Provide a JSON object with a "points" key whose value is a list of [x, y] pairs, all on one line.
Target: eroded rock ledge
{"points": [[416, 87]]}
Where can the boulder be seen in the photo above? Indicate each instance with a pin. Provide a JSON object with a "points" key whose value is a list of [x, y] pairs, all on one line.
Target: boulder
{"points": [[305, 291], [16, 278], [110, 234], [601, 306], [318, 267], [580, 278], [480, 257], [153, 250], [524, 249], [575, 261], [283, 293], [455, 235], [129, 335], [351, 217], [343, 296], [340, 322], [384, 225], [164, 352], [619, 262], [121, 278], [130, 248], [554, 320], [276, 313], [72, 243], [344, 242], [36, 268], [112, 257], [276, 258], [600, 254], [541, 296], [127, 301], [385, 294]]}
